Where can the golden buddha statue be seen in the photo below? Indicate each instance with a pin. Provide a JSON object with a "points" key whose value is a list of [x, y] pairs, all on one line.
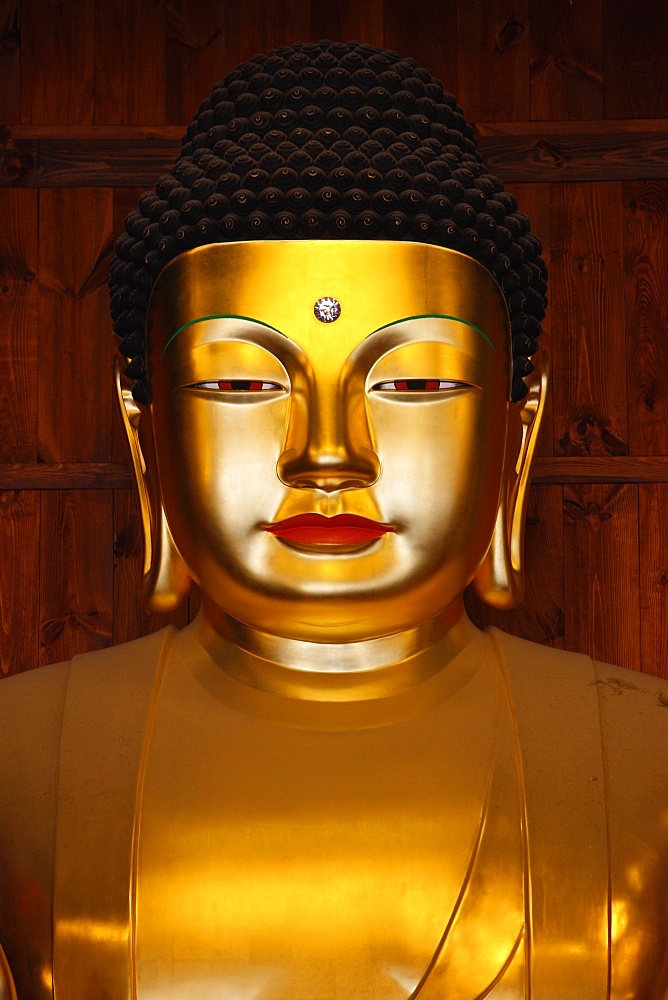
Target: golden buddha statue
{"points": [[331, 784]]}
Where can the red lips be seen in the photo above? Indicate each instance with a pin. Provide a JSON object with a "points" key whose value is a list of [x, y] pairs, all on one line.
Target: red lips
{"points": [[315, 529]]}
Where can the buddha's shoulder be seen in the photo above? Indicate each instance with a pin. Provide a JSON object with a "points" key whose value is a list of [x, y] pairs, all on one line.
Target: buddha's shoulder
{"points": [[629, 707], [32, 704]]}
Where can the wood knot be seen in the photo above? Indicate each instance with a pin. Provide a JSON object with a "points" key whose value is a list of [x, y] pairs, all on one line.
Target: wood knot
{"points": [[589, 434]]}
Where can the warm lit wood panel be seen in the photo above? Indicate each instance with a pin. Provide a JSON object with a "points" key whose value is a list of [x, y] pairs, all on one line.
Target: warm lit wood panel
{"points": [[75, 390], [19, 581], [566, 60], [430, 38], [654, 578], [76, 573], [646, 306], [130, 62], [18, 322], [601, 602], [635, 68], [202, 46], [10, 61], [589, 358], [349, 19], [57, 61], [492, 73]]}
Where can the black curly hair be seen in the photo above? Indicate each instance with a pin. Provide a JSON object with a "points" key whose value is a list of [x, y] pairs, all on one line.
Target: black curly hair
{"points": [[329, 140]]}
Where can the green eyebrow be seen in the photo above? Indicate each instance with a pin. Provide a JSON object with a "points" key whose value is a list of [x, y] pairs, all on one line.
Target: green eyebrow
{"points": [[457, 319], [203, 319]]}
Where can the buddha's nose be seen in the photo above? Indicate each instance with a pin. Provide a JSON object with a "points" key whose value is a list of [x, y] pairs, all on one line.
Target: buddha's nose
{"points": [[328, 445]]}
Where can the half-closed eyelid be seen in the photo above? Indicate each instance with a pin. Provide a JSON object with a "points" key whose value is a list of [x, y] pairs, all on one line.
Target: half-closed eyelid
{"points": [[420, 385], [237, 385]]}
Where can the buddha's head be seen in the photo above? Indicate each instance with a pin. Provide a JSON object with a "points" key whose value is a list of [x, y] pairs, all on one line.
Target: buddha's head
{"points": [[329, 306]]}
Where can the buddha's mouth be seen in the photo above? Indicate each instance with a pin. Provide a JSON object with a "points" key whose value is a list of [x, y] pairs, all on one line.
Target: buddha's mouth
{"points": [[343, 530]]}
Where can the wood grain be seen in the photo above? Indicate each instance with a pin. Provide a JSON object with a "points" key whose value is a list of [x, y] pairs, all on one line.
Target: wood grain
{"points": [[203, 44], [589, 359], [493, 60], [601, 602], [431, 38], [646, 313], [566, 60], [18, 319], [19, 581], [653, 511], [10, 61], [635, 70], [58, 61], [76, 573], [346, 20], [130, 62], [75, 387]]}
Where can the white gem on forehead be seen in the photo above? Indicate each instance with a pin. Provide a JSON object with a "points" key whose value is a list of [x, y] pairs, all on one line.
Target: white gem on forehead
{"points": [[327, 309]]}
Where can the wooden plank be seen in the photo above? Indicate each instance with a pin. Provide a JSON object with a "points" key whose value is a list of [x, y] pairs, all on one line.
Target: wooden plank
{"points": [[76, 573], [131, 620], [646, 314], [262, 26], [566, 60], [18, 318], [519, 152], [430, 38], [349, 19], [601, 469], [74, 416], [130, 65], [19, 580], [65, 476], [203, 44], [10, 61], [654, 579], [589, 359], [57, 61], [601, 602], [635, 71], [555, 153], [540, 616], [493, 64]]}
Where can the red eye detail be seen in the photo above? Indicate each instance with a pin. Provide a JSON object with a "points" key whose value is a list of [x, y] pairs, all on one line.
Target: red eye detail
{"points": [[241, 385], [417, 385]]}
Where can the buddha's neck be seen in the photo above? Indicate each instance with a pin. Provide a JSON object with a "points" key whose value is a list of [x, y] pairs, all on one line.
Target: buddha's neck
{"points": [[364, 669]]}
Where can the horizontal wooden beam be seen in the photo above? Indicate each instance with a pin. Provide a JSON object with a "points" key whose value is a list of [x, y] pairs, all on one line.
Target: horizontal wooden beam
{"points": [[604, 469], [65, 476], [134, 156], [99, 476]]}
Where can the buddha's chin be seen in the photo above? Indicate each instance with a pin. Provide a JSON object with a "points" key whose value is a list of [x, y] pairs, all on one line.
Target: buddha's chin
{"points": [[327, 613]]}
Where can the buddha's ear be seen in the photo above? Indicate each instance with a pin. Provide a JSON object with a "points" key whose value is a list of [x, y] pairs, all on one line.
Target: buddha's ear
{"points": [[165, 578], [499, 581]]}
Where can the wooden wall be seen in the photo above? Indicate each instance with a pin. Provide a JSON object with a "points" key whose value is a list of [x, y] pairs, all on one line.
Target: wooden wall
{"points": [[570, 99]]}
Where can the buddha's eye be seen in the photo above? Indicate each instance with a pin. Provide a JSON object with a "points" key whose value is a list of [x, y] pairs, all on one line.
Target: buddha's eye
{"points": [[238, 385], [419, 385]]}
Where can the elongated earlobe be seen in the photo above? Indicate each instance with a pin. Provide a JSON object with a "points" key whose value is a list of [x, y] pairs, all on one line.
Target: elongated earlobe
{"points": [[499, 581], [165, 578]]}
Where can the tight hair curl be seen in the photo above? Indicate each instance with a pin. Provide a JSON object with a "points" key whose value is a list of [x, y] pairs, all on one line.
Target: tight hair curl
{"points": [[329, 140]]}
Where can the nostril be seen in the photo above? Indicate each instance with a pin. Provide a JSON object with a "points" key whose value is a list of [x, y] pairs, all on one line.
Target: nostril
{"points": [[328, 472]]}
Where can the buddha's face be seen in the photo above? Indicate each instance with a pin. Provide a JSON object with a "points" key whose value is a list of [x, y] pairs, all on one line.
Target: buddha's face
{"points": [[329, 480]]}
